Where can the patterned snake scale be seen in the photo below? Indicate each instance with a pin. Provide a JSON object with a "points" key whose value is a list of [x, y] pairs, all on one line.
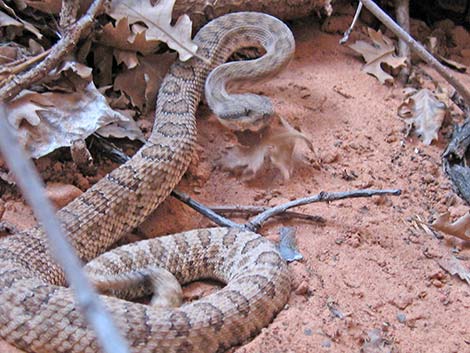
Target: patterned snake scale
{"points": [[37, 310]]}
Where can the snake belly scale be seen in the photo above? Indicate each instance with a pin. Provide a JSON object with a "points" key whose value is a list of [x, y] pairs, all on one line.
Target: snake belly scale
{"points": [[37, 310]]}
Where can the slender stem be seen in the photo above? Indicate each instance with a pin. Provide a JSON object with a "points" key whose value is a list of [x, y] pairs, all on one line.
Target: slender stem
{"points": [[258, 221], [403, 19], [353, 23], [253, 210], [206, 211]]}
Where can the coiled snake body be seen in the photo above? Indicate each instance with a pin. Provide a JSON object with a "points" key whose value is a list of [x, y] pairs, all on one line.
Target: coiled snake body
{"points": [[38, 313]]}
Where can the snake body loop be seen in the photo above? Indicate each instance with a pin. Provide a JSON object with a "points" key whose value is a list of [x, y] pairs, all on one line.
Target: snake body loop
{"points": [[38, 313]]}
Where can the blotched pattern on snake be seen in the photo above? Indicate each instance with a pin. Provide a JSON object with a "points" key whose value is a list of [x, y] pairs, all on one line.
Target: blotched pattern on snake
{"points": [[38, 313]]}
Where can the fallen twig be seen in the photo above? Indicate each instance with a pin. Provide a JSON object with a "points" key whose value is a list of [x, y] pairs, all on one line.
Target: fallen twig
{"points": [[402, 10], [206, 211], [257, 222], [418, 48], [30, 183], [211, 212], [253, 210], [353, 23], [63, 47], [20, 65]]}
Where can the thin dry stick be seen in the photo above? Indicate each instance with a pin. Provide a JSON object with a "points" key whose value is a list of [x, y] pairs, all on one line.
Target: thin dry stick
{"points": [[418, 48], [58, 52], [206, 211], [30, 183], [253, 210], [351, 27], [257, 222], [403, 18], [16, 67], [213, 212]]}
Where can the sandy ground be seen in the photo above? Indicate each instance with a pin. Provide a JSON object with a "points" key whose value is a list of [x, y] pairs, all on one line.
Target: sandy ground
{"points": [[367, 273]]}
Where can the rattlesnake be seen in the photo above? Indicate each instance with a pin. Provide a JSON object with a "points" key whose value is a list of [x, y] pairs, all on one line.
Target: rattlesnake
{"points": [[38, 313]]}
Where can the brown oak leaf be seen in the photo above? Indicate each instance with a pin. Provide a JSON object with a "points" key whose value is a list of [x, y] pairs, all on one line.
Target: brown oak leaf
{"points": [[382, 51]]}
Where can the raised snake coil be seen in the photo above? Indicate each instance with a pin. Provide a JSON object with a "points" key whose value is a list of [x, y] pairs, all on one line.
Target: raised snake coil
{"points": [[37, 311]]}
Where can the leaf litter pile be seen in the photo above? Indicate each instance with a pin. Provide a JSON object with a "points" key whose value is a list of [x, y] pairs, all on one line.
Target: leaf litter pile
{"points": [[377, 275]]}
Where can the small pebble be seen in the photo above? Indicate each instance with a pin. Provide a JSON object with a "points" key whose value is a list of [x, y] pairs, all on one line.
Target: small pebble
{"points": [[428, 179], [401, 317]]}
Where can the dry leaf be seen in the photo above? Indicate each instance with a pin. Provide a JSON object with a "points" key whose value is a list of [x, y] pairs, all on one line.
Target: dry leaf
{"points": [[47, 121], [103, 65], [425, 112], [420, 225], [54, 6], [276, 145], [382, 51], [141, 83], [47, 6], [6, 20], [57, 119], [129, 58], [124, 37], [460, 228], [178, 37], [452, 265]]}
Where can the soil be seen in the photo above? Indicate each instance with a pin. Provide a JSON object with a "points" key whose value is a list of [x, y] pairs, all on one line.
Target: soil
{"points": [[369, 280]]}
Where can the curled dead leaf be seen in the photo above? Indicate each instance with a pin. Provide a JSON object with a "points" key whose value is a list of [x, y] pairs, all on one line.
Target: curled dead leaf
{"points": [[452, 265], [460, 228], [6, 20], [425, 112]]}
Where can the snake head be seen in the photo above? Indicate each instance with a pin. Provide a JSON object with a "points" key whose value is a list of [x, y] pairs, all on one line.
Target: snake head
{"points": [[246, 112]]}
